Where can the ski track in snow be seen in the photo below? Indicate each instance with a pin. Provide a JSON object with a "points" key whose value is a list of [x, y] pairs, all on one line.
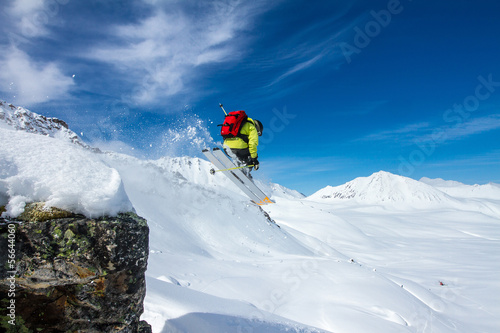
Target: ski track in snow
{"points": [[380, 254]]}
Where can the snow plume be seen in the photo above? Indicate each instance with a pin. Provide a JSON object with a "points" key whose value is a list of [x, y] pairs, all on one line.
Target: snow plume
{"points": [[188, 137]]}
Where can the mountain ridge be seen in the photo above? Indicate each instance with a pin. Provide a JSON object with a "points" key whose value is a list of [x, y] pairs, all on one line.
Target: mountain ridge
{"points": [[458, 189], [22, 119], [386, 188], [379, 188]]}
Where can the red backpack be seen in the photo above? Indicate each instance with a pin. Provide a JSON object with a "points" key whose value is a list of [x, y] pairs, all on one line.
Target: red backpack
{"points": [[232, 124]]}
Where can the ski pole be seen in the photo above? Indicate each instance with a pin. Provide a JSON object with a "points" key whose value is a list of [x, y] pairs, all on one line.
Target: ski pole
{"points": [[222, 107], [213, 171]]}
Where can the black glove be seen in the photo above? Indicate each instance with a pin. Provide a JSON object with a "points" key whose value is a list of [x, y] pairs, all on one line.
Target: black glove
{"points": [[255, 163]]}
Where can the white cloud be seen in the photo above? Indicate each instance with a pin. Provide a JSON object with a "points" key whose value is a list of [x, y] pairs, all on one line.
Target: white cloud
{"points": [[310, 47], [424, 132], [28, 82], [301, 66], [465, 129], [400, 134], [25, 7], [29, 17], [163, 52]]}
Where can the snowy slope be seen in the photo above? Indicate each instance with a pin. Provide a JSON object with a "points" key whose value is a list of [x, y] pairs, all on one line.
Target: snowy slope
{"points": [[366, 261], [196, 170], [457, 189]]}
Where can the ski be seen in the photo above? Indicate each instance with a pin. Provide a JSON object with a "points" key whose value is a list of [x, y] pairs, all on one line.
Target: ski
{"points": [[218, 158], [231, 176], [219, 153]]}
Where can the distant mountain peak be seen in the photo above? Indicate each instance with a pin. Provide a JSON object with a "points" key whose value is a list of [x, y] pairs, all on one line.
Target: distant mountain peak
{"points": [[382, 187], [22, 119], [461, 190]]}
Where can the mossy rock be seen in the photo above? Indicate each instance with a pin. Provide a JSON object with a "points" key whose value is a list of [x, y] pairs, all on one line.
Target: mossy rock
{"points": [[78, 274], [38, 212]]}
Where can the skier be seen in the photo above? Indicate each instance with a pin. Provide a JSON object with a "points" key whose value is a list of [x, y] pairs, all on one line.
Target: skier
{"points": [[241, 138], [243, 147]]}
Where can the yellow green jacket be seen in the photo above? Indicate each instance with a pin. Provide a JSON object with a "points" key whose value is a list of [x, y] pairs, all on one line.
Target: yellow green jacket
{"points": [[249, 130]]}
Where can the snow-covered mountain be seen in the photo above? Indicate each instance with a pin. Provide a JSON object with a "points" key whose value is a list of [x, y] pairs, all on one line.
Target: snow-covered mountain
{"points": [[218, 263], [457, 189], [22, 119], [384, 187]]}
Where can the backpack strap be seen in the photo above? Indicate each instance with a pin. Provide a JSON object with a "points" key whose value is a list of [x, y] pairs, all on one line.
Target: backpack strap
{"points": [[243, 136]]}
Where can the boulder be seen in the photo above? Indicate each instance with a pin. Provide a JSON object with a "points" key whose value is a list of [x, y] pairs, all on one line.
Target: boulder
{"points": [[73, 273]]}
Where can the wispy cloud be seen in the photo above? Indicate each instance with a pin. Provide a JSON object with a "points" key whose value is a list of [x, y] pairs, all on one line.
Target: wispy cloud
{"points": [[404, 133], [165, 51], [159, 52], [424, 131], [30, 82], [465, 129], [490, 158], [24, 79], [301, 66], [316, 45], [29, 17]]}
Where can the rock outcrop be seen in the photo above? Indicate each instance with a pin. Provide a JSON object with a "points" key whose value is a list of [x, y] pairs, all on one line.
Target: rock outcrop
{"points": [[72, 273]]}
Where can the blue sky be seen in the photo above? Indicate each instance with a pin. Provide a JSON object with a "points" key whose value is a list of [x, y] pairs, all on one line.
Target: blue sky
{"points": [[343, 88]]}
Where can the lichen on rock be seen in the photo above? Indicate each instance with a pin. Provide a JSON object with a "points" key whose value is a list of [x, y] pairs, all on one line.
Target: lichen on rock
{"points": [[77, 274], [38, 212]]}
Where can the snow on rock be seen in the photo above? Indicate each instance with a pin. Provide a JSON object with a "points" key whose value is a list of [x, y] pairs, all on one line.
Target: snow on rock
{"points": [[36, 168]]}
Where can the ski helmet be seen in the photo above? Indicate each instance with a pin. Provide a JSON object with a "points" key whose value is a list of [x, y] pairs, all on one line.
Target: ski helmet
{"points": [[258, 126]]}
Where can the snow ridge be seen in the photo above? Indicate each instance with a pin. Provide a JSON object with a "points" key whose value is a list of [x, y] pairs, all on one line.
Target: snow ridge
{"points": [[196, 171], [21, 119]]}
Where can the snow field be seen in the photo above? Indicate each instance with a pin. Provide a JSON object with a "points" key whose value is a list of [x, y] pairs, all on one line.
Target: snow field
{"points": [[396, 256], [416, 250]]}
